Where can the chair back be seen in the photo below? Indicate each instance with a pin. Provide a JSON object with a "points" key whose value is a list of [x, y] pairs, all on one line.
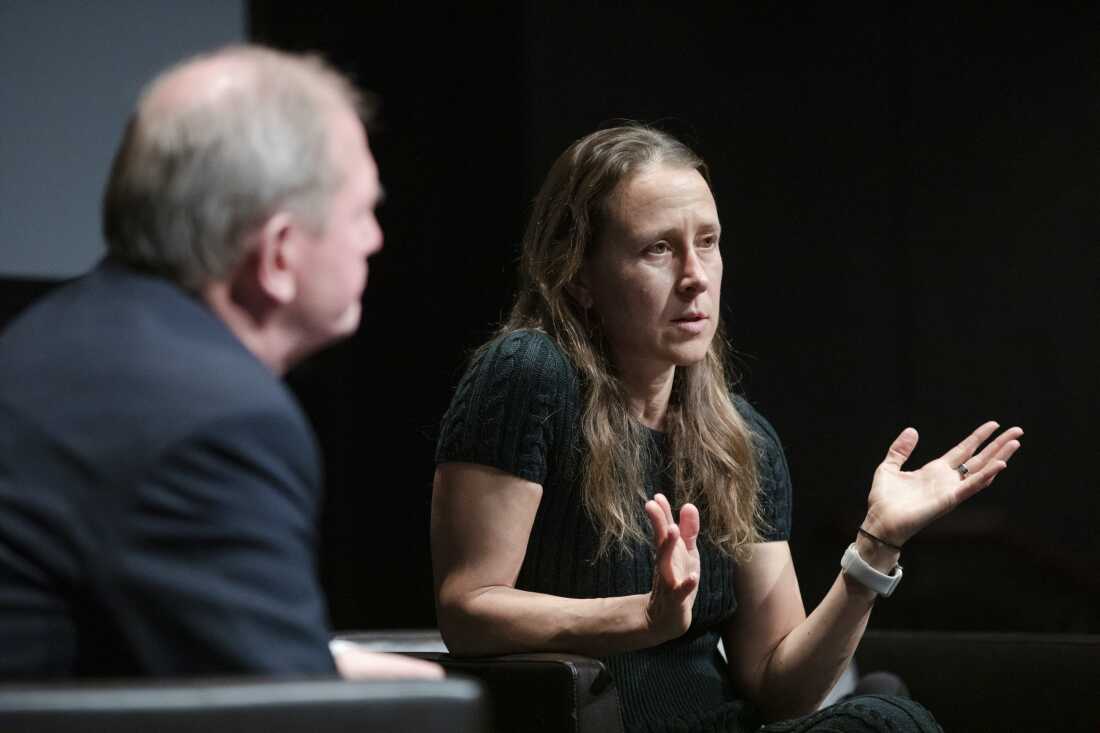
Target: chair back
{"points": [[246, 706]]}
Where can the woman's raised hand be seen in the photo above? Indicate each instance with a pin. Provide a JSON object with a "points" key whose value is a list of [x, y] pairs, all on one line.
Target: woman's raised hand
{"points": [[675, 569], [902, 503]]}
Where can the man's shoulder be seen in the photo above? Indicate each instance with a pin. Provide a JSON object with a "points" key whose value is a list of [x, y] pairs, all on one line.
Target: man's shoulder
{"points": [[118, 353], [129, 329]]}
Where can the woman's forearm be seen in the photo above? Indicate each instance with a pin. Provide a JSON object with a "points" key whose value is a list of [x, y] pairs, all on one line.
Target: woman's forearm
{"points": [[812, 657], [809, 659], [504, 620]]}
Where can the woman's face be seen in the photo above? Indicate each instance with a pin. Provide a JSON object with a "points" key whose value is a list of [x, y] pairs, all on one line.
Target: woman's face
{"points": [[655, 276]]}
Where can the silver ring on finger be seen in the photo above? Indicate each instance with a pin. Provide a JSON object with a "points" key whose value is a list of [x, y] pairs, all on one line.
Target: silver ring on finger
{"points": [[963, 470]]}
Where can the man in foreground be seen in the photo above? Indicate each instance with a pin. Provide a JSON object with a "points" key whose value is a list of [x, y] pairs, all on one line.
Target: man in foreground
{"points": [[159, 486]]}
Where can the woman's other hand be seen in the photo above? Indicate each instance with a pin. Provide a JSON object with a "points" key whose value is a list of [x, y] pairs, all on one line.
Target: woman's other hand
{"points": [[675, 569], [902, 503]]}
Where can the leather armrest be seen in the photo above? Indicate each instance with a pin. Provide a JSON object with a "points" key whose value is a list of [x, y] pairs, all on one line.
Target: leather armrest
{"points": [[527, 692]]}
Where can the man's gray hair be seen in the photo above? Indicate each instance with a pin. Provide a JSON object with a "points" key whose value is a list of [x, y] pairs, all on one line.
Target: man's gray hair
{"points": [[191, 181]]}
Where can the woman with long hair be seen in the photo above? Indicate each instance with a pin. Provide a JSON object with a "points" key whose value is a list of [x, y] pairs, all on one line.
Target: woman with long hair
{"points": [[603, 403]]}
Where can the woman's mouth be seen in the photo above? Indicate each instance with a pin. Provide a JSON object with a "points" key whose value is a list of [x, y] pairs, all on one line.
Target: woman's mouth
{"points": [[691, 323]]}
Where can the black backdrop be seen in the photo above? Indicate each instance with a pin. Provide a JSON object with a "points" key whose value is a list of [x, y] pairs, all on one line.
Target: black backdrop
{"points": [[909, 200]]}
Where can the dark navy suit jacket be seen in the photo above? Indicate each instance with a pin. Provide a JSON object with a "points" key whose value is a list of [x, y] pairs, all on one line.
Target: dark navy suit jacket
{"points": [[159, 491]]}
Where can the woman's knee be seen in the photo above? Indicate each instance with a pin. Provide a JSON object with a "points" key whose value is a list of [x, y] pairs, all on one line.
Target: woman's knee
{"points": [[864, 714], [882, 713]]}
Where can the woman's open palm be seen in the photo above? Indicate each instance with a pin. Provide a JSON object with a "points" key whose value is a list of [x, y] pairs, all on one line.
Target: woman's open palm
{"points": [[901, 503], [675, 569]]}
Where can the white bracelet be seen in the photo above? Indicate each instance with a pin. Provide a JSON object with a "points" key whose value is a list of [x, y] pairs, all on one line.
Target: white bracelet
{"points": [[857, 568]]}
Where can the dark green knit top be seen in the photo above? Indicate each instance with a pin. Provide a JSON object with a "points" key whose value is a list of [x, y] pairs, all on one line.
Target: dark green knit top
{"points": [[518, 409]]}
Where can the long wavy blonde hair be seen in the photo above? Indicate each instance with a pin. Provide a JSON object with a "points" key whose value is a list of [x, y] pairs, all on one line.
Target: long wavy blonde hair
{"points": [[710, 448]]}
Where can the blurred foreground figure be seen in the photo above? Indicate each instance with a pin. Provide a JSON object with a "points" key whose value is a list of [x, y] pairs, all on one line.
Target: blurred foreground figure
{"points": [[159, 486]]}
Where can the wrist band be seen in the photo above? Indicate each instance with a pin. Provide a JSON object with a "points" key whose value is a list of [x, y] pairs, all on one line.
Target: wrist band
{"points": [[857, 568], [870, 536]]}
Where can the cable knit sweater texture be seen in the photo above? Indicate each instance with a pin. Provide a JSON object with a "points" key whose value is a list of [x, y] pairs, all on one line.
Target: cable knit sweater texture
{"points": [[518, 408]]}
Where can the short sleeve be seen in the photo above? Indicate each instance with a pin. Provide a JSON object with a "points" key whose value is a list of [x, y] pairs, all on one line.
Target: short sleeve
{"points": [[505, 411], [773, 474]]}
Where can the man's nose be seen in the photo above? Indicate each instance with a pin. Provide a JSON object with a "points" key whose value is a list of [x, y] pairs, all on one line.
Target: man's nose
{"points": [[373, 238]]}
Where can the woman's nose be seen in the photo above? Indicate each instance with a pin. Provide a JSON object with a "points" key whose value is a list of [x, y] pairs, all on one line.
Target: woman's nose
{"points": [[693, 276]]}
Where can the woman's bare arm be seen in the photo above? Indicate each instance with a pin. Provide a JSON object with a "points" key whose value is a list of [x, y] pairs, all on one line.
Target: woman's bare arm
{"points": [[783, 660], [481, 522], [786, 661]]}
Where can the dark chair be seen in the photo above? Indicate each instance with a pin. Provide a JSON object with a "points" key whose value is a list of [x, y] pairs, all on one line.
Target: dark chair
{"points": [[533, 693], [245, 706], [970, 681]]}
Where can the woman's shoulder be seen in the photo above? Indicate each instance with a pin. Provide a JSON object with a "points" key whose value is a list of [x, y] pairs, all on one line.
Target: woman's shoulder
{"points": [[527, 341], [756, 421], [527, 355], [517, 373], [774, 475], [511, 407]]}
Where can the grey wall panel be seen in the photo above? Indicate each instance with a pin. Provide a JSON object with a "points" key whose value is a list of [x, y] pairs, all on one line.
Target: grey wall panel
{"points": [[69, 75]]}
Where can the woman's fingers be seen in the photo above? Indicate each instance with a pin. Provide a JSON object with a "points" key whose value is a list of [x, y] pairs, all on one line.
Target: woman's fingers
{"points": [[679, 587], [665, 561], [689, 525], [668, 535], [902, 448], [662, 501], [673, 535], [964, 450], [988, 470], [978, 481], [657, 521], [995, 448], [1009, 449], [983, 467]]}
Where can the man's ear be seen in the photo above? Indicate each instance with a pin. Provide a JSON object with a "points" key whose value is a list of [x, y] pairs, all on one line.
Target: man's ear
{"points": [[277, 251], [579, 290]]}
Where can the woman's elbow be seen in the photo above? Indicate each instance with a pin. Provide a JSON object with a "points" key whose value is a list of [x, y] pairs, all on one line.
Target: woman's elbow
{"points": [[464, 633], [774, 700]]}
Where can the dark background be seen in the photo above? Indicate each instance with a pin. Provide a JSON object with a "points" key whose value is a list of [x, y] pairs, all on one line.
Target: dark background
{"points": [[909, 204], [909, 201]]}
